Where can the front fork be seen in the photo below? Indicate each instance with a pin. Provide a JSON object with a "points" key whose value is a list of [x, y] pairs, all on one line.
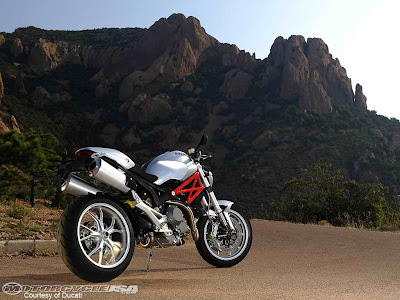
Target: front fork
{"points": [[223, 215]]}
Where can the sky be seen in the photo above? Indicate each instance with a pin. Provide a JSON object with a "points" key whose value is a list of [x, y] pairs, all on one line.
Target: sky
{"points": [[363, 34]]}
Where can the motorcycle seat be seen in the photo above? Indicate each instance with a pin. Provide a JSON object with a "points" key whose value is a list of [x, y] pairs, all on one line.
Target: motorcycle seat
{"points": [[139, 171]]}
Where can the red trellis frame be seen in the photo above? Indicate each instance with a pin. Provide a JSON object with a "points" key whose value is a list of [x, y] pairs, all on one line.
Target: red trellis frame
{"points": [[192, 185]]}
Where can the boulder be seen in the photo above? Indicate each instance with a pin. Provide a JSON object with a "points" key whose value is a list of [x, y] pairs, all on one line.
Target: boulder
{"points": [[229, 131], [360, 100], [45, 55], [16, 48], [264, 140], [171, 136], [102, 89], [220, 107], [42, 97], [19, 84], [146, 109], [197, 91], [187, 87], [1, 88], [236, 84], [131, 137], [396, 140], [2, 39], [3, 127], [109, 134], [9, 125], [14, 124], [378, 134], [98, 77], [232, 56]]}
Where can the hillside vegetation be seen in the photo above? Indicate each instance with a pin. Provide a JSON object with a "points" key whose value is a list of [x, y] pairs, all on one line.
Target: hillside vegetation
{"points": [[145, 91]]}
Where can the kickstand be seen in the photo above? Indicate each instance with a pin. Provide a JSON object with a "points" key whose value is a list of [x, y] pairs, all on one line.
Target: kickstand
{"points": [[149, 256]]}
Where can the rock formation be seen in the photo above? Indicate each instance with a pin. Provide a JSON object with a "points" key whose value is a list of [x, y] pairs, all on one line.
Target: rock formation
{"points": [[131, 137], [45, 55], [313, 96], [264, 140], [16, 48], [360, 100], [8, 122], [232, 56], [19, 84], [187, 87], [42, 97], [145, 109], [102, 89], [176, 47], [1, 88], [14, 124], [307, 71], [170, 49], [236, 84]]}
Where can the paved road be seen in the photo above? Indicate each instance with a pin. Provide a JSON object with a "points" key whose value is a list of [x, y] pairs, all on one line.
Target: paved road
{"points": [[287, 261]]}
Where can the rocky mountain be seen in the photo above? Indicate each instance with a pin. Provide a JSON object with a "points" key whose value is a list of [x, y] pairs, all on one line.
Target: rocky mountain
{"points": [[7, 121], [149, 90]]}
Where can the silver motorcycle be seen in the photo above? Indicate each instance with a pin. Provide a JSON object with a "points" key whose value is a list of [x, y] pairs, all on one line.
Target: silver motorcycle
{"points": [[156, 205]]}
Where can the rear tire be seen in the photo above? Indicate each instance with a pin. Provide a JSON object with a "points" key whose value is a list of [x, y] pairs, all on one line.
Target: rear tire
{"points": [[208, 246], [78, 239]]}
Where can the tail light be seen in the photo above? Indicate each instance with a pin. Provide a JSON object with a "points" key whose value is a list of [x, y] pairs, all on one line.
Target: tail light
{"points": [[84, 154]]}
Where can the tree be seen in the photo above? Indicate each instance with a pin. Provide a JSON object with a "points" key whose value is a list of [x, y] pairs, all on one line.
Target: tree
{"points": [[323, 194], [29, 157]]}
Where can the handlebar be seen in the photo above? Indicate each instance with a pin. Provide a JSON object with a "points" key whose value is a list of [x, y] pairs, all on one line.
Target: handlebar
{"points": [[197, 156], [205, 156]]}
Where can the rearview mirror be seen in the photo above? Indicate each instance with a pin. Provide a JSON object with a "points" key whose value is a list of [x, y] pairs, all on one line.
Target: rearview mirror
{"points": [[203, 141]]}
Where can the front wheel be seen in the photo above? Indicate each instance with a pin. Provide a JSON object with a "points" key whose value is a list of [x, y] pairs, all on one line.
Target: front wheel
{"points": [[219, 247], [96, 238]]}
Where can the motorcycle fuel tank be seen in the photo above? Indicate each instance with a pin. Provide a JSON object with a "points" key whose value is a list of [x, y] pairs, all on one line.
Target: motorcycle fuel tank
{"points": [[171, 165]]}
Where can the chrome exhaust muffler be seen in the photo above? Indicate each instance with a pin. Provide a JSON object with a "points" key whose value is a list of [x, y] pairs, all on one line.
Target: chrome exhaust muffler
{"points": [[76, 186], [103, 171]]}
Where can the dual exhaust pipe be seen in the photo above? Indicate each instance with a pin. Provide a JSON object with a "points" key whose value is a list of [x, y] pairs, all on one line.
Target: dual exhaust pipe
{"points": [[100, 170]]}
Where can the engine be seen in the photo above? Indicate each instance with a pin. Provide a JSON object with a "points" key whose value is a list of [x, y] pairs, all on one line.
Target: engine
{"points": [[177, 220], [178, 224]]}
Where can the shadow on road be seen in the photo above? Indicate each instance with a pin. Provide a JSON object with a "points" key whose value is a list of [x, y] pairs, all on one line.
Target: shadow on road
{"points": [[70, 278]]}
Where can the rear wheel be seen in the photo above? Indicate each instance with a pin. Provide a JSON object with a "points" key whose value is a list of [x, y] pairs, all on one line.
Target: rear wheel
{"points": [[219, 247], [95, 238]]}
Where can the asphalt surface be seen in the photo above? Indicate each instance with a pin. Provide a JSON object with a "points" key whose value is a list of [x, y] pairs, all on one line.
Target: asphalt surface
{"points": [[287, 261]]}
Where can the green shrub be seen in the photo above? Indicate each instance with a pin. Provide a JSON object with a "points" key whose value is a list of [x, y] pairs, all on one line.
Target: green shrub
{"points": [[16, 211], [322, 194]]}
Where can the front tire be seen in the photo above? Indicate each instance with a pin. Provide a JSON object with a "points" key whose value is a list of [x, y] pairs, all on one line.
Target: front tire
{"points": [[217, 247], [96, 238]]}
